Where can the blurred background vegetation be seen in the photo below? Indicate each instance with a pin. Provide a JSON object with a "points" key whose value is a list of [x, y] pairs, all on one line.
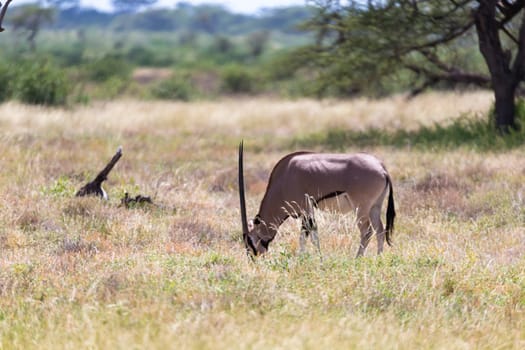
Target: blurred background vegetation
{"points": [[55, 52]]}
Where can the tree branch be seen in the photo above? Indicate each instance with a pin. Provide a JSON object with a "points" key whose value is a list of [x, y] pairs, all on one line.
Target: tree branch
{"points": [[509, 10], [444, 73], [420, 89], [466, 78], [509, 34], [457, 6], [3, 12], [519, 62], [454, 76], [444, 39], [436, 61]]}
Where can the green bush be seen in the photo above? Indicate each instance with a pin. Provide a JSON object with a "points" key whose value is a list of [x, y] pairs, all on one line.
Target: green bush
{"points": [[175, 88], [6, 77], [109, 66], [236, 79], [144, 56], [39, 82], [141, 56], [67, 54], [111, 88]]}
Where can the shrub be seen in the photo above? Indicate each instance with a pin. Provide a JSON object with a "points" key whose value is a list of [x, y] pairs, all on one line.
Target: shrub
{"points": [[175, 88], [68, 55], [237, 79], [109, 66], [111, 88], [7, 78], [143, 56], [39, 82]]}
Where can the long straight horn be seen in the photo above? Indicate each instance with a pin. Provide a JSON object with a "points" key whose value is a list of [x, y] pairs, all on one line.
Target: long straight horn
{"points": [[242, 199]]}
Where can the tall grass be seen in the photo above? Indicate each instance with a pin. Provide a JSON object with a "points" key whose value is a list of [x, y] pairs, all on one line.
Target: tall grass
{"points": [[85, 273], [472, 130]]}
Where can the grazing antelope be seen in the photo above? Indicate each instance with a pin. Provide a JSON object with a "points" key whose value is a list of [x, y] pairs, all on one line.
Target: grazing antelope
{"points": [[303, 180]]}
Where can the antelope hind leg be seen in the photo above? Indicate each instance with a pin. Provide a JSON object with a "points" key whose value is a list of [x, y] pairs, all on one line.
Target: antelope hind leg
{"points": [[375, 217]]}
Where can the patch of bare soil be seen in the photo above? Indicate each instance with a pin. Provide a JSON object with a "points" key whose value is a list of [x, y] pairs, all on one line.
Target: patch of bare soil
{"points": [[147, 75]]}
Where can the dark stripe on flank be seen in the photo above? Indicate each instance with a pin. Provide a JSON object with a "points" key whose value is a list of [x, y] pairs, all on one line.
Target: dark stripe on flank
{"points": [[329, 195]]}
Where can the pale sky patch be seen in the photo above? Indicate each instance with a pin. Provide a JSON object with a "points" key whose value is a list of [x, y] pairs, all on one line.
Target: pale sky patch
{"points": [[238, 6]]}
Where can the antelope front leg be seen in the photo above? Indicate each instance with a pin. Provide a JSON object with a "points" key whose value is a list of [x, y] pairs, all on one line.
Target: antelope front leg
{"points": [[309, 225], [304, 235], [315, 239], [366, 234], [309, 228]]}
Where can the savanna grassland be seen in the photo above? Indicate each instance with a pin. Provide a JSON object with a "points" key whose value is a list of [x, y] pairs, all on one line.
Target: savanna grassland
{"points": [[84, 273]]}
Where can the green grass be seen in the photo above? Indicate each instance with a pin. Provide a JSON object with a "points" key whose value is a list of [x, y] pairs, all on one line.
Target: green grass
{"points": [[85, 273], [471, 131]]}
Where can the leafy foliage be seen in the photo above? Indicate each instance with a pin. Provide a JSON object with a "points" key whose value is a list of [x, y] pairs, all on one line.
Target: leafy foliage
{"points": [[363, 43], [82, 18], [108, 66], [39, 82], [31, 18], [359, 47], [234, 53], [237, 79], [6, 76], [105, 53], [206, 18], [175, 88], [145, 56]]}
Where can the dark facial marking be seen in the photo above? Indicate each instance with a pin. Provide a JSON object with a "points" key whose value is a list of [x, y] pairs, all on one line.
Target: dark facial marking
{"points": [[250, 245], [265, 243]]}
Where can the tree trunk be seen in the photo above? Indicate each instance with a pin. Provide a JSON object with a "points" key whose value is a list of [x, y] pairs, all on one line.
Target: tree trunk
{"points": [[504, 106], [504, 82]]}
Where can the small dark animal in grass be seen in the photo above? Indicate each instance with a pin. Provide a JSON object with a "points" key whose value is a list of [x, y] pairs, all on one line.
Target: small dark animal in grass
{"points": [[94, 188], [139, 199], [303, 181]]}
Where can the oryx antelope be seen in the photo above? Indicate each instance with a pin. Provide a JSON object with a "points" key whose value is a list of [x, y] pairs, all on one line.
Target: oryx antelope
{"points": [[303, 180], [95, 187]]}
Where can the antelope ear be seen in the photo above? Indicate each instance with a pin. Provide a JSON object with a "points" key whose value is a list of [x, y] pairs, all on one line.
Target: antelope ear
{"points": [[250, 225]]}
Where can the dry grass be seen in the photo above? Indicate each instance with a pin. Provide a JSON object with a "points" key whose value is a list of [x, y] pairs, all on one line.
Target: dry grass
{"points": [[82, 273]]}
